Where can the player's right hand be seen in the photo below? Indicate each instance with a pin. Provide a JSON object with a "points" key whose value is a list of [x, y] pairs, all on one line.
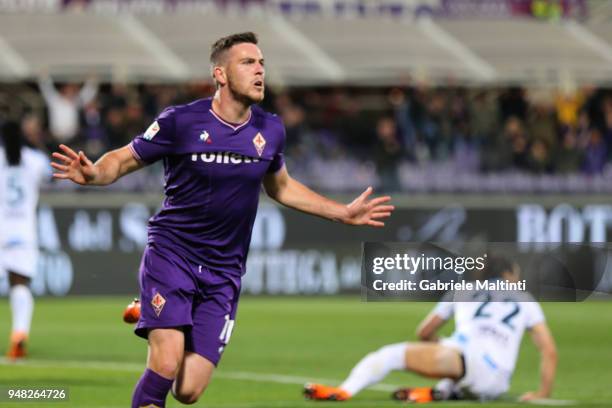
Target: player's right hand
{"points": [[76, 167], [532, 396]]}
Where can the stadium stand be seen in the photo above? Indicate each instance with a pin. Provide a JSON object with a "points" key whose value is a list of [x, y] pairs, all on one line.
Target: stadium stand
{"points": [[450, 103]]}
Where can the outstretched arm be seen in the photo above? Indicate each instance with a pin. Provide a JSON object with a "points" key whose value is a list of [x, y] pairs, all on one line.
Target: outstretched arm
{"points": [[89, 90], [545, 343], [428, 329], [79, 169], [362, 211], [47, 89]]}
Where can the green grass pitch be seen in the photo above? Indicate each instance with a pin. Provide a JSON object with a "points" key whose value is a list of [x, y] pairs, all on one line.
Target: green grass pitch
{"points": [[279, 343]]}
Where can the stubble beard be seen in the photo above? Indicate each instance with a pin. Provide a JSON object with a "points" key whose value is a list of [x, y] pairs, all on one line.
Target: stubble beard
{"points": [[243, 98]]}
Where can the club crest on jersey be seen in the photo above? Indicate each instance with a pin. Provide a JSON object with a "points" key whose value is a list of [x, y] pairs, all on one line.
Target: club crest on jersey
{"points": [[205, 137], [158, 303], [151, 131], [259, 143]]}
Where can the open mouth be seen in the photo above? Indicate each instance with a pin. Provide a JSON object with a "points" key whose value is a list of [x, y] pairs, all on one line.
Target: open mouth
{"points": [[259, 84]]}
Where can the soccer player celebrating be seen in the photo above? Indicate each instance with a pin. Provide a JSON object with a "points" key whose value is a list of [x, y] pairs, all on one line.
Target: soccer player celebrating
{"points": [[217, 152], [22, 169], [476, 362]]}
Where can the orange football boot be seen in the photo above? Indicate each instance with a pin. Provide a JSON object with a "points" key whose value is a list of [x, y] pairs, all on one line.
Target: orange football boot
{"points": [[322, 392], [131, 314], [415, 394], [17, 346]]}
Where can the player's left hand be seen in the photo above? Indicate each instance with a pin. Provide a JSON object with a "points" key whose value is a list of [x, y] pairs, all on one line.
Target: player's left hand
{"points": [[364, 211]]}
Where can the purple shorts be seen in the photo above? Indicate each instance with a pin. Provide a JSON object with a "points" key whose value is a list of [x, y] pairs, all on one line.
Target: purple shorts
{"points": [[175, 292]]}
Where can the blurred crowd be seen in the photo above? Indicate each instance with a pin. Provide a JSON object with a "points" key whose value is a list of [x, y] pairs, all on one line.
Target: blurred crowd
{"points": [[336, 134], [505, 130]]}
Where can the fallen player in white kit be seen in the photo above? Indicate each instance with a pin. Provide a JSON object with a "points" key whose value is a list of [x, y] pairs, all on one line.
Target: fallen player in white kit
{"points": [[476, 362]]}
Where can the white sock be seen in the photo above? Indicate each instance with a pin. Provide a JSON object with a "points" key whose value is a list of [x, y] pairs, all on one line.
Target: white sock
{"points": [[445, 388], [375, 366], [22, 306]]}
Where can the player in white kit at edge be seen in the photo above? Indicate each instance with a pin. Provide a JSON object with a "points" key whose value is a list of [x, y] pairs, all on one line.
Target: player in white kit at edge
{"points": [[476, 362], [22, 169]]}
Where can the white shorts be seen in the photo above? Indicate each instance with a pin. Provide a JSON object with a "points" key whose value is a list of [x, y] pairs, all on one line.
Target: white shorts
{"points": [[21, 260], [483, 379]]}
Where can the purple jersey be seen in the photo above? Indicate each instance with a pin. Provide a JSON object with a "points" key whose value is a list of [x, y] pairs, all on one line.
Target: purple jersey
{"points": [[213, 173]]}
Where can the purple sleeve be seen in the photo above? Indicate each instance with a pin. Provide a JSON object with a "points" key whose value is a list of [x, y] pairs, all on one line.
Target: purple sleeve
{"points": [[158, 140], [278, 161]]}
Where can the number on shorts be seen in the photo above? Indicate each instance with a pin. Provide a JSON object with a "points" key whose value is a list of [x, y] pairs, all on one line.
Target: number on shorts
{"points": [[228, 327]]}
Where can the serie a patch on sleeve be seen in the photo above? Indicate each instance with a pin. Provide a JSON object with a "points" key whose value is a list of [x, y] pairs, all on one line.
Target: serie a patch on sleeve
{"points": [[151, 131]]}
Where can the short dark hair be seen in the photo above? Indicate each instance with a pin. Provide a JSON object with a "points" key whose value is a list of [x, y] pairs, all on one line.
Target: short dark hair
{"points": [[225, 43], [13, 141], [497, 265]]}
